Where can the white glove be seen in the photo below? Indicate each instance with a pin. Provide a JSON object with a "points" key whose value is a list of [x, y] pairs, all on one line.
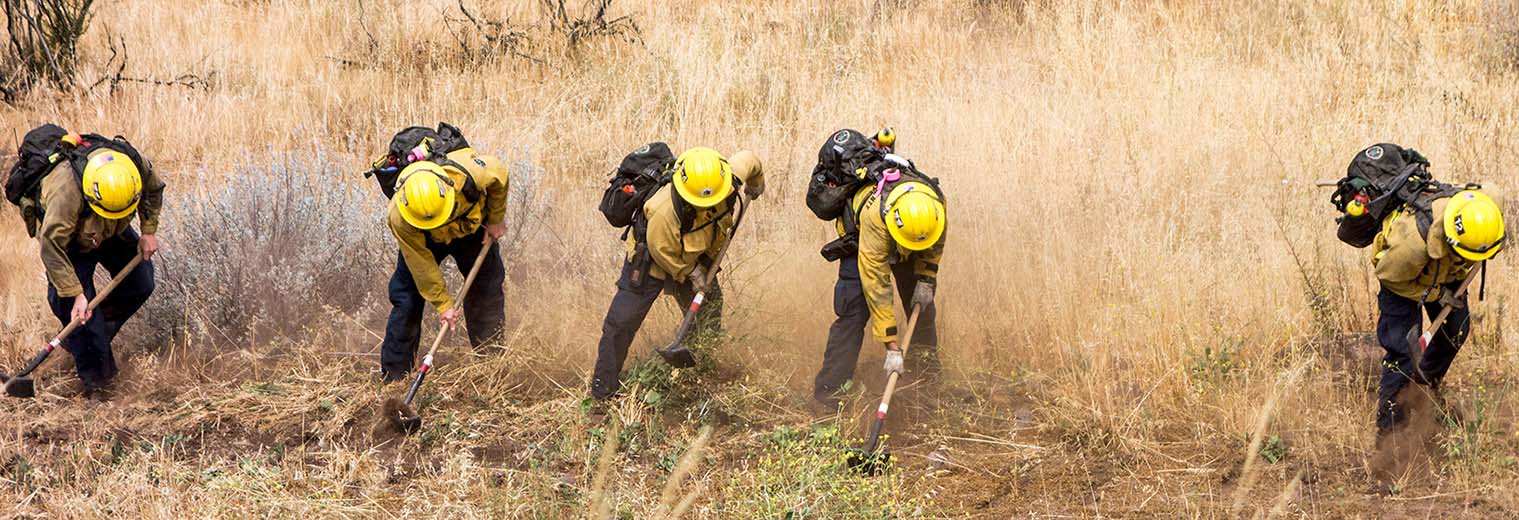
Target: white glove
{"points": [[893, 361]]}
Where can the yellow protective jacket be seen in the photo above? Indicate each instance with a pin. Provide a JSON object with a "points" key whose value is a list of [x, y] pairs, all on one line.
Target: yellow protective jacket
{"points": [[877, 253], [674, 253], [67, 218], [491, 176], [1408, 263]]}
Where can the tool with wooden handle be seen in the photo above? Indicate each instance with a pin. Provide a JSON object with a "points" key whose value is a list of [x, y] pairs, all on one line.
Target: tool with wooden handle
{"points": [[868, 460], [1417, 342], [21, 384], [399, 411], [676, 353]]}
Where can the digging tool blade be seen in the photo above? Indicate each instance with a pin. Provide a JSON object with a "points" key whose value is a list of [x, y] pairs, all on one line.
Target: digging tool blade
{"points": [[1417, 341], [19, 386], [402, 416], [399, 412], [869, 460], [678, 356]]}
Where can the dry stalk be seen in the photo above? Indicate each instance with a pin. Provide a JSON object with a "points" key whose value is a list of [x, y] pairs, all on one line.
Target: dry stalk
{"points": [[1288, 493], [598, 507], [1247, 474], [688, 462]]}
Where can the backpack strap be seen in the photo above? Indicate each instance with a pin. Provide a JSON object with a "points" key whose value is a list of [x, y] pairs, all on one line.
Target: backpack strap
{"points": [[470, 190], [1423, 203]]}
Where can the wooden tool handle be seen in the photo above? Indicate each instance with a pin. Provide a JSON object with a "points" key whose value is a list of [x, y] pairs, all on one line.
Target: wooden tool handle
{"points": [[75, 323], [469, 280]]}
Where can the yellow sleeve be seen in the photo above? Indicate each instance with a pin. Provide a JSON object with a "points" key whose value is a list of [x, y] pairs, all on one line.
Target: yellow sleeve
{"points": [[663, 236], [152, 200], [875, 275], [1405, 255], [496, 186], [420, 261], [61, 203], [747, 167]]}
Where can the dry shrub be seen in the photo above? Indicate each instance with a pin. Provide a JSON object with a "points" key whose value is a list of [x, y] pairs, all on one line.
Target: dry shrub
{"points": [[264, 252], [400, 36], [43, 44]]}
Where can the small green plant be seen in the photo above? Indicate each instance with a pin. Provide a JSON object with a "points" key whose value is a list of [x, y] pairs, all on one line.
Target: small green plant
{"points": [[1273, 450], [1213, 365], [265, 388], [1466, 437]]}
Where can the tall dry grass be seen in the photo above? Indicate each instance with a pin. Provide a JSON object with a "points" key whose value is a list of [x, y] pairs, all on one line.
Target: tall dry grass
{"points": [[1138, 250]]}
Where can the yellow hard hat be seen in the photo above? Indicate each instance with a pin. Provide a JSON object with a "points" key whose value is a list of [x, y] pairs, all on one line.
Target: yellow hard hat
{"points": [[703, 177], [112, 185], [1473, 225], [914, 216], [427, 195]]}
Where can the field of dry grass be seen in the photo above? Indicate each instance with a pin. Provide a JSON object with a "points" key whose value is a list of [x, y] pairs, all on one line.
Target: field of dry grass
{"points": [[1142, 280]]}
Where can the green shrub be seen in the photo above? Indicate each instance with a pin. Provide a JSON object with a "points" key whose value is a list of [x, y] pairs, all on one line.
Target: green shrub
{"points": [[804, 473]]}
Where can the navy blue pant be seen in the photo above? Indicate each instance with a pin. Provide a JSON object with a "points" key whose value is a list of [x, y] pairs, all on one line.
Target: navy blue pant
{"points": [[90, 344], [484, 304], [626, 313], [1400, 315], [848, 330]]}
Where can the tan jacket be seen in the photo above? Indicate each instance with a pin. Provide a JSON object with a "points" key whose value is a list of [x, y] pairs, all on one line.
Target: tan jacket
{"points": [[676, 254], [491, 176], [1409, 264], [877, 253], [67, 218]]}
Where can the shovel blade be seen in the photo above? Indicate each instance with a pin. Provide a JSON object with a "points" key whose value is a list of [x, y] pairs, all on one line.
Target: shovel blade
{"points": [[1416, 354], [401, 416], [19, 386], [678, 356], [870, 463]]}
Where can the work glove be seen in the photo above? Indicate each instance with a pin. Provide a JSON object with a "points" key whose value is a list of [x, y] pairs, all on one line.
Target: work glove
{"points": [[893, 361], [923, 293], [1448, 299], [698, 279], [753, 191]]}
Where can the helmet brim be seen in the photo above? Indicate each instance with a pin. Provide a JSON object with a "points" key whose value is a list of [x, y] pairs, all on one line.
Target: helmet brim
{"points": [[114, 215], [1474, 255]]}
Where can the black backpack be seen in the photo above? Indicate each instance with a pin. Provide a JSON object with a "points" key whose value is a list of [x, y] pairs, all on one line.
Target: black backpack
{"points": [[440, 142], [875, 172], [842, 168], [41, 151], [1381, 179], [38, 153], [638, 176]]}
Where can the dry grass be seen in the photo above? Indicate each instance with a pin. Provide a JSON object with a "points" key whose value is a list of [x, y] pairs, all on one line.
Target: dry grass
{"points": [[1138, 255]]}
